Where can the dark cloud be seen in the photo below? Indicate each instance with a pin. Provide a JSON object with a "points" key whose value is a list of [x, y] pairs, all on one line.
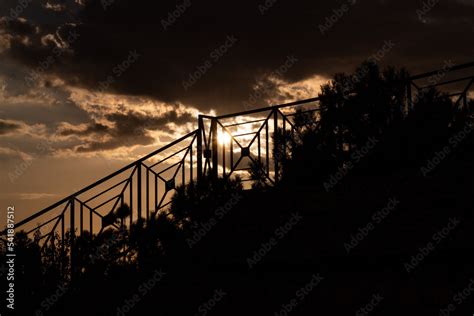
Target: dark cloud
{"points": [[129, 129], [7, 127], [114, 143], [168, 57], [93, 128], [17, 27], [130, 122]]}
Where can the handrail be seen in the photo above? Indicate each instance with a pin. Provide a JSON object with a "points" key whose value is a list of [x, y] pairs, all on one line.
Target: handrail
{"points": [[205, 143], [454, 68], [131, 165], [263, 109], [106, 178], [440, 82]]}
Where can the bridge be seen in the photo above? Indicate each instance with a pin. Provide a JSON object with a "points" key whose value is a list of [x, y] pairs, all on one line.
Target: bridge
{"points": [[221, 146]]}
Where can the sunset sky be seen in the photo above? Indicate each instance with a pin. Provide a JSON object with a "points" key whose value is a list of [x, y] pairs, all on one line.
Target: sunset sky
{"points": [[88, 86]]}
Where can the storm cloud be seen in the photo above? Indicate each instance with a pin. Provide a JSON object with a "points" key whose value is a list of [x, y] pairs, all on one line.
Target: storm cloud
{"points": [[180, 40]]}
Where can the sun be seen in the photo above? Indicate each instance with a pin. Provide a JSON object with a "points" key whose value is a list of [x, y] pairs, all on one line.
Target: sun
{"points": [[223, 138]]}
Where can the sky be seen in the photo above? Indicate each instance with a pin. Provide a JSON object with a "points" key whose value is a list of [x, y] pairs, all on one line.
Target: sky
{"points": [[87, 86]]}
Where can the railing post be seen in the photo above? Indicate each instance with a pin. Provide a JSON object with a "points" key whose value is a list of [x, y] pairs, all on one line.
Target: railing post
{"points": [[199, 147], [139, 192], [63, 256], [215, 169], [275, 143], [72, 232]]}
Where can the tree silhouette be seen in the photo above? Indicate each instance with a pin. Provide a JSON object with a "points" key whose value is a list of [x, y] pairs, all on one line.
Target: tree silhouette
{"points": [[112, 265], [258, 175], [195, 202]]}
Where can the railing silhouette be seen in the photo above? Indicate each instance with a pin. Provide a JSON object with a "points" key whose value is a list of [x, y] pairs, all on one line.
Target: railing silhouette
{"points": [[221, 146], [217, 147], [231, 142], [459, 78]]}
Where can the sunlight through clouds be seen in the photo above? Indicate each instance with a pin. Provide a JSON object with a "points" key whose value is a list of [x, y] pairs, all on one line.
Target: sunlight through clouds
{"points": [[300, 90]]}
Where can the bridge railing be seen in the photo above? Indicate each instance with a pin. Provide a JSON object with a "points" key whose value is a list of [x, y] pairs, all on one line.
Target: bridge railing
{"points": [[456, 80], [231, 143], [224, 146], [221, 146], [145, 186]]}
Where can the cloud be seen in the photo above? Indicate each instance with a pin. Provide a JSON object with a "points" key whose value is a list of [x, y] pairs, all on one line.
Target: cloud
{"points": [[281, 91], [69, 47], [168, 57], [29, 196], [70, 54], [18, 27], [8, 154], [7, 127], [56, 7], [35, 196], [19, 128], [84, 130], [130, 128], [55, 119]]}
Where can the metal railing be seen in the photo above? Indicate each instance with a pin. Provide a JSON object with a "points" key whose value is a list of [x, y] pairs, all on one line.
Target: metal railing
{"points": [[222, 146], [231, 142], [217, 148], [458, 78]]}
